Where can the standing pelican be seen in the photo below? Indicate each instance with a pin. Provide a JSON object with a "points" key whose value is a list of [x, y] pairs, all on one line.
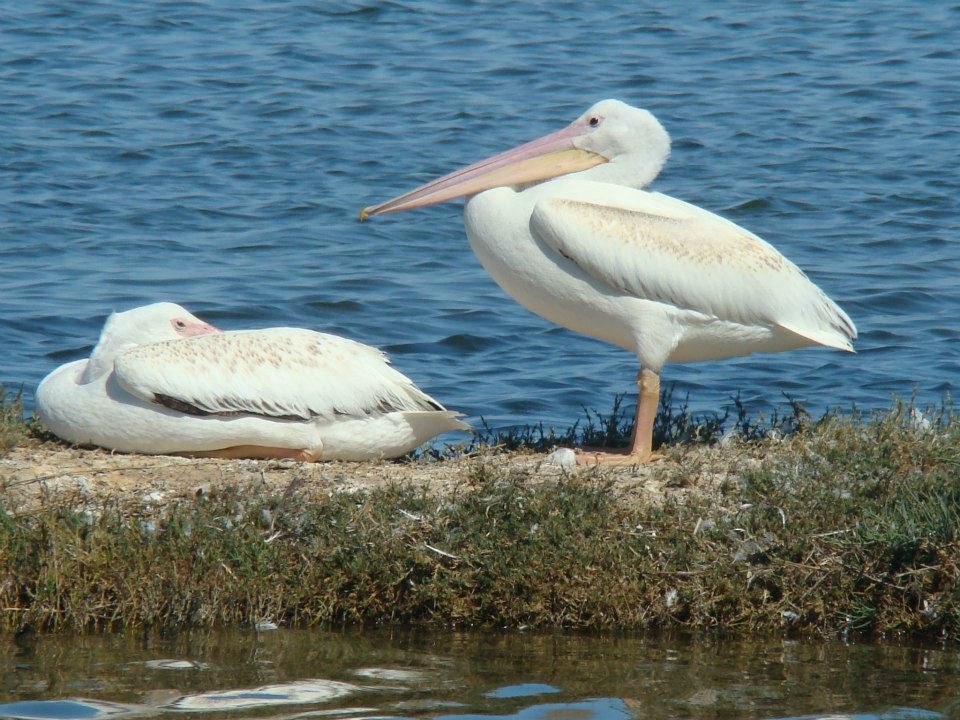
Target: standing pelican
{"points": [[563, 227], [162, 381]]}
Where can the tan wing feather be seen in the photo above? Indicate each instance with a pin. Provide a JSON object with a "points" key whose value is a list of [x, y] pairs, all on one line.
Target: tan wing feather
{"points": [[658, 248], [277, 372]]}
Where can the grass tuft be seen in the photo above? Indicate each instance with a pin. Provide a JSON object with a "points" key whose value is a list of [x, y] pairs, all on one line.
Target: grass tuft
{"points": [[674, 425], [13, 428]]}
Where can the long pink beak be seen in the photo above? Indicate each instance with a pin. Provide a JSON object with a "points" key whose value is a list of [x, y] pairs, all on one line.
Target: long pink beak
{"points": [[552, 155]]}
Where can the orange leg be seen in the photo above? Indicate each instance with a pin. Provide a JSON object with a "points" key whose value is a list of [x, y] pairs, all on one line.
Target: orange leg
{"points": [[641, 443], [255, 451]]}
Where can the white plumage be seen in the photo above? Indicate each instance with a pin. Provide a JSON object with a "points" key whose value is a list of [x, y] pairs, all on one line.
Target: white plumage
{"points": [[155, 387], [637, 242], [563, 226]]}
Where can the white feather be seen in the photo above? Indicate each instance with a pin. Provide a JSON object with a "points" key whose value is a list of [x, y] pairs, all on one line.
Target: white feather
{"points": [[655, 247], [276, 372]]}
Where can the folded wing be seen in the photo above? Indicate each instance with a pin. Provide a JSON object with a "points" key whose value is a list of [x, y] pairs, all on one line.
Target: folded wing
{"points": [[662, 249], [285, 373]]}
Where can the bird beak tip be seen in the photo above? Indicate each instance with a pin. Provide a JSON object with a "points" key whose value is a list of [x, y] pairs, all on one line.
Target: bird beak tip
{"points": [[364, 215]]}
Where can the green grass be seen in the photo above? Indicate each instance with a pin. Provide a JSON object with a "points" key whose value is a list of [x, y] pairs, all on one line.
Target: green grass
{"points": [[13, 428], [866, 512], [848, 526], [674, 425]]}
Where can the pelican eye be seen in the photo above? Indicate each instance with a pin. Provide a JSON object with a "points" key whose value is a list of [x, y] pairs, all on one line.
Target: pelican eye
{"points": [[594, 121], [180, 324]]}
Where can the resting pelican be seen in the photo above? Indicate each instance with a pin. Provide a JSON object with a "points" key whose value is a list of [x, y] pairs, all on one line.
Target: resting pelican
{"points": [[162, 381], [591, 251]]}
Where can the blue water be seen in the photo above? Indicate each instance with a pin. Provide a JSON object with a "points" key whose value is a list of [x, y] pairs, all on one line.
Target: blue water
{"points": [[410, 675], [216, 154]]}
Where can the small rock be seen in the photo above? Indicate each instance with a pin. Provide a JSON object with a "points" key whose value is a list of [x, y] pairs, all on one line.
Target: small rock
{"points": [[563, 457], [918, 421], [82, 484]]}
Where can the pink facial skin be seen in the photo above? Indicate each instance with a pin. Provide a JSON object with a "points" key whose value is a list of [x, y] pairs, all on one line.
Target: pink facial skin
{"points": [[189, 327]]}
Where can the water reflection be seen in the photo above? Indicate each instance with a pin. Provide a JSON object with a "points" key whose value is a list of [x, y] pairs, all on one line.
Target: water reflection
{"points": [[64, 709], [304, 692], [602, 709], [522, 690], [462, 676], [174, 665]]}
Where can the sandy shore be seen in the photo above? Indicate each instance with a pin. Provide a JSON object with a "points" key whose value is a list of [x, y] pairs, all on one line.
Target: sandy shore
{"points": [[34, 471]]}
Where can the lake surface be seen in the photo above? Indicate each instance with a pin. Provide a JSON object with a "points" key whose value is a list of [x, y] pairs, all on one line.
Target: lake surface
{"points": [[216, 154], [467, 676]]}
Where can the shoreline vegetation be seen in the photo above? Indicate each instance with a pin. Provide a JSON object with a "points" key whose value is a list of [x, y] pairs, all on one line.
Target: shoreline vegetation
{"points": [[845, 526]]}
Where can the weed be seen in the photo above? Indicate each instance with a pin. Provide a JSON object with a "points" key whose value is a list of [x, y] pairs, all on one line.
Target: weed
{"points": [[13, 428]]}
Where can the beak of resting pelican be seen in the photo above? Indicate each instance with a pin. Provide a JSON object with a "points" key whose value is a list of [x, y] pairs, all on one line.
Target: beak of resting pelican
{"points": [[547, 157], [191, 328], [205, 329]]}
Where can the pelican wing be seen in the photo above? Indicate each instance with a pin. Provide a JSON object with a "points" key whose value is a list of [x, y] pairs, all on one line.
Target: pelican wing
{"points": [[658, 248], [286, 373]]}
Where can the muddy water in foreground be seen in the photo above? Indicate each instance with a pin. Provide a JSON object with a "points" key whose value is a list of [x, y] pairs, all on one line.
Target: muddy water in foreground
{"points": [[300, 674]]}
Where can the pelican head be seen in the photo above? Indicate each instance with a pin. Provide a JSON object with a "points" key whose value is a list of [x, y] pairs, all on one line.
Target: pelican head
{"points": [[155, 323], [612, 141], [631, 140], [147, 324]]}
